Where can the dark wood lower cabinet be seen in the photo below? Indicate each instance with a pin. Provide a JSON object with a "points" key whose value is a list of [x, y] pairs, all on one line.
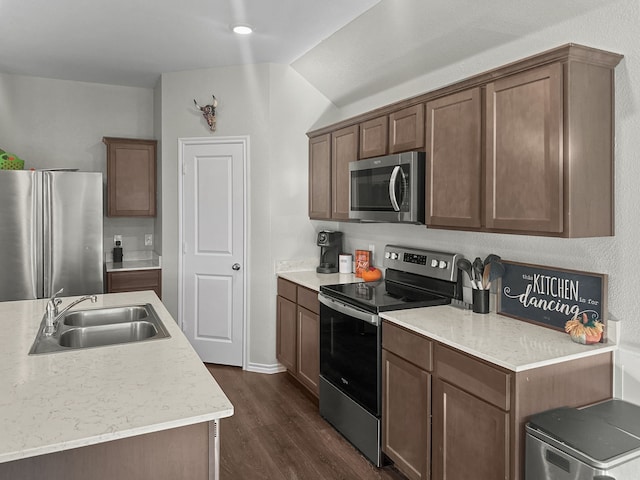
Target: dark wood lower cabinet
{"points": [[472, 412], [308, 351], [470, 436], [298, 333], [184, 452], [406, 407], [135, 281], [286, 333]]}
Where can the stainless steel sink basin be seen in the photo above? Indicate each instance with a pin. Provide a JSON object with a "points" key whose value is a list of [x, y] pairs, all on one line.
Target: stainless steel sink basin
{"points": [[85, 337], [99, 327], [106, 316]]}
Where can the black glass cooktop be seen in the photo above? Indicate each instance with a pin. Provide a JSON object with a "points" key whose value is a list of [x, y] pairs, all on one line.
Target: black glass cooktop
{"points": [[374, 297]]}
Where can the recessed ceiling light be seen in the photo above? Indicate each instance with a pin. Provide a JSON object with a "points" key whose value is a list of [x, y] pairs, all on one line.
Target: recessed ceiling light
{"points": [[242, 29]]}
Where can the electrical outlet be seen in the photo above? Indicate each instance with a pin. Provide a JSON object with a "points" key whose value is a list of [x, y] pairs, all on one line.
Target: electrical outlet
{"points": [[117, 238], [148, 239]]}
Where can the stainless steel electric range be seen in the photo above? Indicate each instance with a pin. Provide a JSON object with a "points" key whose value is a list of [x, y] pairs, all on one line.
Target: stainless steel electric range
{"points": [[351, 336]]}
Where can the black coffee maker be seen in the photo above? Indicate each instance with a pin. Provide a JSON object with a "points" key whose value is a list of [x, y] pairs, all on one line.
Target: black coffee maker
{"points": [[330, 244]]}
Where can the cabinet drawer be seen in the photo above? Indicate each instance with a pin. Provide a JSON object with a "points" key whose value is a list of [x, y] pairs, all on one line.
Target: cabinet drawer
{"points": [[474, 376], [287, 289], [408, 345], [308, 299], [134, 280]]}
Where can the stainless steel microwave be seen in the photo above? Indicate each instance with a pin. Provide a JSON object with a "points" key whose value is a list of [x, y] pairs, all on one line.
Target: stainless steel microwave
{"points": [[388, 189]]}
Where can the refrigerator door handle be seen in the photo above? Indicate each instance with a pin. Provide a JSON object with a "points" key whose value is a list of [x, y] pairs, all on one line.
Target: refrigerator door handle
{"points": [[47, 235]]}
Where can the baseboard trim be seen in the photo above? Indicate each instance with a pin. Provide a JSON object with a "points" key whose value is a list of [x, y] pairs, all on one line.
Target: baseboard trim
{"points": [[265, 368]]}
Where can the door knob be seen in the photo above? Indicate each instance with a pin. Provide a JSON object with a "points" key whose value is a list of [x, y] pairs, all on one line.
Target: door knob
{"points": [[236, 266]]}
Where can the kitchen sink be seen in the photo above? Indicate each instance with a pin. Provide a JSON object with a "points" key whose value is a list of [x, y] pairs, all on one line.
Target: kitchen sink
{"points": [[106, 316], [85, 337], [99, 327]]}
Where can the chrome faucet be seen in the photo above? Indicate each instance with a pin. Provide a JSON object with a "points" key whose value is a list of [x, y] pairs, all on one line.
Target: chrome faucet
{"points": [[52, 316]]}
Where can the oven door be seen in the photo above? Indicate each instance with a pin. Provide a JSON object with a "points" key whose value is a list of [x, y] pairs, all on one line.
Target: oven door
{"points": [[350, 352]]}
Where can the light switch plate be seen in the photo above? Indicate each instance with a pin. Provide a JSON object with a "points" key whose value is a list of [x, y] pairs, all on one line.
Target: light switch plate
{"points": [[148, 239]]}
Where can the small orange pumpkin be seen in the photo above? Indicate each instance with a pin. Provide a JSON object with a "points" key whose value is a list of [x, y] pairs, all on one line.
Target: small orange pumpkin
{"points": [[371, 274]]}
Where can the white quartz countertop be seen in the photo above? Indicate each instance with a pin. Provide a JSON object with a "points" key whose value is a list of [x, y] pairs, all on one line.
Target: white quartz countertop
{"points": [[313, 280], [510, 343], [59, 401], [128, 265]]}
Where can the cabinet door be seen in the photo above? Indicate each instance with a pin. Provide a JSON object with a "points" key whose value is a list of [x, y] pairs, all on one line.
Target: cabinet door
{"points": [[406, 409], [320, 177], [454, 160], [309, 349], [286, 333], [470, 437], [131, 177], [406, 129], [344, 150], [374, 137], [524, 190]]}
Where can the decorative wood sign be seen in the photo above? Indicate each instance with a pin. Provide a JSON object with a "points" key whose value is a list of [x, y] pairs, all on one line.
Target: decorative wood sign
{"points": [[551, 296]]}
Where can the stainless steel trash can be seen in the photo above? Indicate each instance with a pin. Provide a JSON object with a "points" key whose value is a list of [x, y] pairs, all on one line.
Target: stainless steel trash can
{"points": [[601, 442]]}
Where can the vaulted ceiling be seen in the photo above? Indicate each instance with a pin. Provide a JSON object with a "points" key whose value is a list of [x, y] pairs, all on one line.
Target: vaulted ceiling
{"points": [[346, 49]]}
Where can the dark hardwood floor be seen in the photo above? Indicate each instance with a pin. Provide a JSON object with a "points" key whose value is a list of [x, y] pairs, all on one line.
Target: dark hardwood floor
{"points": [[277, 433]]}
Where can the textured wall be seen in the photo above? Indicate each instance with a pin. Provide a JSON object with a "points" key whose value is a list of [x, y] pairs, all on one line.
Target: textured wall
{"points": [[60, 123], [274, 106]]}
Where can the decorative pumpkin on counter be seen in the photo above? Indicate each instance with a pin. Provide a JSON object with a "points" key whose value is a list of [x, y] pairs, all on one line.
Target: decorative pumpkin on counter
{"points": [[371, 274], [584, 330]]}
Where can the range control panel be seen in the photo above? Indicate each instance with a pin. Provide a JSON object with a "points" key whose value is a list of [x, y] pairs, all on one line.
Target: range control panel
{"points": [[429, 263]]}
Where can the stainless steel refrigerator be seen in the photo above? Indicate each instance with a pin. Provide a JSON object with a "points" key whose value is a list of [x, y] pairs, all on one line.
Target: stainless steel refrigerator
{"points": [[50, 234]]}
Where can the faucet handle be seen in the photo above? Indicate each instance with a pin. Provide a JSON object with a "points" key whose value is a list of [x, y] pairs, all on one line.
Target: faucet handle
{"points": [[54, 301]]}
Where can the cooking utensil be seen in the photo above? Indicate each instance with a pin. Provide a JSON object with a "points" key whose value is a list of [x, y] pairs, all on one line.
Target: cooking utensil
{"points": [[465, 265], [496, 271], [478, 267], [492, 257], [485, 276]]}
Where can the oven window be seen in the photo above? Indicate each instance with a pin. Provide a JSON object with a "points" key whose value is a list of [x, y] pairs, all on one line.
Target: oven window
{"points": [[350, 357]]}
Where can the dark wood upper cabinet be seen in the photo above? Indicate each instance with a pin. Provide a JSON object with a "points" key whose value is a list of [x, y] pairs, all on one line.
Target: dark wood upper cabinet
{"points": [[131, 177], [525, 148], [344, 149], [524, 189], [454, 160], [374, 137], [406, 129], [320, 177]]}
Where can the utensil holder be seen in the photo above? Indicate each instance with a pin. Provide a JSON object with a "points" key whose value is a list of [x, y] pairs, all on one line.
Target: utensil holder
{"points": [[480, 301]]}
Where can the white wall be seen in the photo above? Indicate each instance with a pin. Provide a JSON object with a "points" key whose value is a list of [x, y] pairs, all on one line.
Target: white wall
{"points": [[274, 107], [60, 123], [612, 27]]}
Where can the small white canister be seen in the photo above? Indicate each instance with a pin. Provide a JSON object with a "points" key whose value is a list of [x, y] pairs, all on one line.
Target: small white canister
{"points": [[345, 263]]}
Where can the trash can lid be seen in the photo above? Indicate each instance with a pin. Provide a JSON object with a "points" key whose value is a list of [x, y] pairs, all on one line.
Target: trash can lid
{"points": [[585, 432]]}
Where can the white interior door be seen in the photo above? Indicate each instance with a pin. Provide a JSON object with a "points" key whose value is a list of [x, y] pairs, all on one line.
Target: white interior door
{"points": [[213, 247]]}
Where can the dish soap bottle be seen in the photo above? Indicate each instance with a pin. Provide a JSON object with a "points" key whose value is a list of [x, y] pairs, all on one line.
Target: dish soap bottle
{"points": [[117, 252]]}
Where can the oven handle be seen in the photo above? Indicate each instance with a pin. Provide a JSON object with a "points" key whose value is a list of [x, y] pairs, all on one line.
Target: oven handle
{"points": [[349, 310]]}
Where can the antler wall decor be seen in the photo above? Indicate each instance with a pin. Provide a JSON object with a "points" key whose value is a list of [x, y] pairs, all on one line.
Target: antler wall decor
{"points": [[209, 113]]}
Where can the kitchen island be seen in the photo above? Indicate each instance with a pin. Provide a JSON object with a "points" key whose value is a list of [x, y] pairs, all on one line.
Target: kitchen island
{"points": [[139, 410]]}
